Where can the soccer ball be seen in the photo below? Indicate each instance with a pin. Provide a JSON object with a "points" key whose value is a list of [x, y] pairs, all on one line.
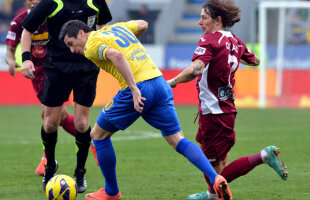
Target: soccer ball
{"points": [[61, 187]]}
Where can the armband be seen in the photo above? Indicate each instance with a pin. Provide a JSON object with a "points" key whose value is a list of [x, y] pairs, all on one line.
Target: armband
{"points": [[26, 56]]}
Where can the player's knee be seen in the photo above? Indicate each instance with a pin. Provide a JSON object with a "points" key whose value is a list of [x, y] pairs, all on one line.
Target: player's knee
{"points": [[81, 125], [98, 133], [50, 126], [174, 139]]}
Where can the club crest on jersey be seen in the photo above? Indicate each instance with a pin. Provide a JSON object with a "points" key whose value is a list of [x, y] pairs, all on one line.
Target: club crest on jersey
{"points": [[200, 50], [91, 20]]}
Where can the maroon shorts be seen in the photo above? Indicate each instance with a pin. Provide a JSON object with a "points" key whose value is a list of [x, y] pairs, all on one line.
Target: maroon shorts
{"points": [[38, 81], [216, 135]]}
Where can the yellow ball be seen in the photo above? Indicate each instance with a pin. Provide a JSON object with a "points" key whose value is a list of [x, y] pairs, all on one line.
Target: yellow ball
{"points": [[61, 187]]}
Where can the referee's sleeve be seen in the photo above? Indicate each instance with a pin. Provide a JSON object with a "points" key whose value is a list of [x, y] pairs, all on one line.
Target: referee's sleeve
{"points": [[104, 13]]}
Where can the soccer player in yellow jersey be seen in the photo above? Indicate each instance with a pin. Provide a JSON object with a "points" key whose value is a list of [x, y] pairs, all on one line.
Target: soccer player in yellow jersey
{"points": [[144, 93]]}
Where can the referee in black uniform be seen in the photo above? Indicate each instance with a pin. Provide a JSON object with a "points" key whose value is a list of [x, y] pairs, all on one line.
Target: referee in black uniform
{"points": [[65, 72]]}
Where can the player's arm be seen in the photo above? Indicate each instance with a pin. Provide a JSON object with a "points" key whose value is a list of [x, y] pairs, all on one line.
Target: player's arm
{"points": [[10, 59], [142, 27], [28, 67], [122, 65], [256, 62], [31, 23], [188, 74]]}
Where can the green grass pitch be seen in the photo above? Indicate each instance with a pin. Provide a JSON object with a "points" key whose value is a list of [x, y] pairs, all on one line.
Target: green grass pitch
{"points": [[148, 168]]}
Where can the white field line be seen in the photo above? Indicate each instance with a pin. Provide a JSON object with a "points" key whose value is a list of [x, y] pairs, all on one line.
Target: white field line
{"points": [[119, 136]]}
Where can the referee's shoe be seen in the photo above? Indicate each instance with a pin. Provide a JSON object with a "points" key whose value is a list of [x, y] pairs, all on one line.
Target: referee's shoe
{"points": [[80, 180], [49, 173]]}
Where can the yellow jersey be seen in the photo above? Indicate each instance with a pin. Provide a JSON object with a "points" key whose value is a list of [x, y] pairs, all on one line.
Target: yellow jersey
{"points": [[120, 36]]}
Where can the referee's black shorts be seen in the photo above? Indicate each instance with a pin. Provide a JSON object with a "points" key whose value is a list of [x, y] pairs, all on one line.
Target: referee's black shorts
{"points": [[62, 77]]}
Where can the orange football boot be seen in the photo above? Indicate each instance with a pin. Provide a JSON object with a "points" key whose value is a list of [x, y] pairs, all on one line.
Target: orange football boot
{"points": [[41, 167], [102, 195], [221, 188]]}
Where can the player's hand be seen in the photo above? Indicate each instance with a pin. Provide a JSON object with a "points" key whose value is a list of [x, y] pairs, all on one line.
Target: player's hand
{"points": [[28, 69], [172, 83], [12, 68], [137, 99]]}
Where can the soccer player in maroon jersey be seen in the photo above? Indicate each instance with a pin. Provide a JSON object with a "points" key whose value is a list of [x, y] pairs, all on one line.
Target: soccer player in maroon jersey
{"points": [[38, 57], [215, 62]]}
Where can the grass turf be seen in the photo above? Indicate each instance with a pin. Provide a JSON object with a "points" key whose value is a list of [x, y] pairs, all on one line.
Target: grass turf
{"points": [[148, 168]]}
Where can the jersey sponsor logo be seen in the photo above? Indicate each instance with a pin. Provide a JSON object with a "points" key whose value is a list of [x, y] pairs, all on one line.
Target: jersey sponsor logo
{"points": [[200, 50], [38, 52], [138, 54], [225, 93], [11, 35], [100, 51], [38, 37], [91, 20]]}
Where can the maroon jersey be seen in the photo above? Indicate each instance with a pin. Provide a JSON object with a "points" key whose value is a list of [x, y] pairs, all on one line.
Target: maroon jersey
{"points": [[221, 51], [38, 41]]}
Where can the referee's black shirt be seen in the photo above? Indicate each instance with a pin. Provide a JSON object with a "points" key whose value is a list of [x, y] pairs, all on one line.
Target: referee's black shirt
{"points": [[56, 14]]}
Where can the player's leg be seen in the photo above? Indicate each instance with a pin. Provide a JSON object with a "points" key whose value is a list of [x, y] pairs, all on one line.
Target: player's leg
{"points": [[210, 194], [216, 136], [162, 115], [192, 152], [118, 114], [236, 168], [107, 163], [41, 167], [37, 84], [82, 141], [49, 139], [83, 84], [55, 92], [195, 155], [159, 112]]}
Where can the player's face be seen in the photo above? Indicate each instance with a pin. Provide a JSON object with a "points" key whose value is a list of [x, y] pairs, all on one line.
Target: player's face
{"points": [[77, 44], [206, 22], [32, 3]]}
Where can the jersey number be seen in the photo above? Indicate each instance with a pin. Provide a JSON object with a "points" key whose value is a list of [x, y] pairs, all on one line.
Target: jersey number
{"points": [[233, 62], [124, 36]]}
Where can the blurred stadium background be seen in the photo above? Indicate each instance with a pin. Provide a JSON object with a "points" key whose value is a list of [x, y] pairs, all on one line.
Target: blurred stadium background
{"points": [[284, 37]]}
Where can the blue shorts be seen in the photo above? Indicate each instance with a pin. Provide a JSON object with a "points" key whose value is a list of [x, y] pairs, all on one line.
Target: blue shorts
{"points": [[158, 111]]}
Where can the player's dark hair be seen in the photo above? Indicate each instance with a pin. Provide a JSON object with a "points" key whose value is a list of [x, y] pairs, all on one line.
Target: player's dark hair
{"points": [[72, 27], [227, 9]]}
